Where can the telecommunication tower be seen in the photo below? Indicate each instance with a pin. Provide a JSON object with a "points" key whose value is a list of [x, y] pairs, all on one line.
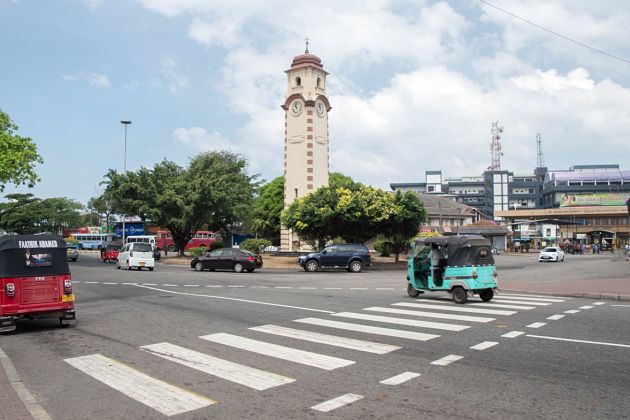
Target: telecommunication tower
{"points": [[540, 162], [495, 146]]}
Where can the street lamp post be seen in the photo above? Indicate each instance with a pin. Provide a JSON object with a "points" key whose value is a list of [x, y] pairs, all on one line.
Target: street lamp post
{"points": [[125, 123], [628, 205]]}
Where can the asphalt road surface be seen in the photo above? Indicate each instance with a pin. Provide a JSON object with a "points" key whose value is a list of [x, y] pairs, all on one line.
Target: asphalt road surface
{"points": [[289, 344]]}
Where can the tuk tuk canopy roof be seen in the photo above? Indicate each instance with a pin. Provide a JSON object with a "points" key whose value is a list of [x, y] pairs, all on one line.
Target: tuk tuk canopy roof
{"points": [[33, 255], [463, 250]]}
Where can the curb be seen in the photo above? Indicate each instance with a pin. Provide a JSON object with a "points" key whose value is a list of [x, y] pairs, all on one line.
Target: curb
{"points": [[594, 296], [33, 407]]}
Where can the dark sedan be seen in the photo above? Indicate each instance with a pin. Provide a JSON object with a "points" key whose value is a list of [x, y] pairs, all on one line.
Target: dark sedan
{"points": [[227, 259]]}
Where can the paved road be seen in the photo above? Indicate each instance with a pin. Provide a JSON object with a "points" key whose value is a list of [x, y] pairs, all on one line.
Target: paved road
{"points": [[224, 345]]}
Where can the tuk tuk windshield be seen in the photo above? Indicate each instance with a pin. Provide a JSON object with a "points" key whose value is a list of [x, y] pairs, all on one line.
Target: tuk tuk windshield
{"points": [[421, 251]]}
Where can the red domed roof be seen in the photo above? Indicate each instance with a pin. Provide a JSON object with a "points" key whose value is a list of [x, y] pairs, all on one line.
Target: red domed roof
{"points": [[306, 60]]}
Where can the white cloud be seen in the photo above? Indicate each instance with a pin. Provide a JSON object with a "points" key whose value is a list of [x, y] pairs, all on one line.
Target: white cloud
{"points": [[200, 139], [439, 80], [170, 76], [98, 80]]}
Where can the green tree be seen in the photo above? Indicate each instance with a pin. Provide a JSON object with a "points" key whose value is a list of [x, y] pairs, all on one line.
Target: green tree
{"points": [[103, 205], [403, 224], [24, 214], [18, 155], [267, 208], [214, 190]]}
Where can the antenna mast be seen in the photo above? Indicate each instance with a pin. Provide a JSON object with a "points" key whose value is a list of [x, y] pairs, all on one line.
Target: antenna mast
{"points": [[540, 163], [495, 146]]}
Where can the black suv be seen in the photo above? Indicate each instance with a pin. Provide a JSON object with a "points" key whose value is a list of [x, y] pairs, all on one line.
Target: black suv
{"points": [[352, 257]]}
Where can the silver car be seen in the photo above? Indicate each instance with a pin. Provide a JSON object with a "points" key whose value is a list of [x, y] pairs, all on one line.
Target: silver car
{"points": [[72, 252]]}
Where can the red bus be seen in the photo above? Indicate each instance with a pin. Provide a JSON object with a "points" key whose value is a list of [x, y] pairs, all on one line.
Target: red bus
{"points": [[164, 240]]}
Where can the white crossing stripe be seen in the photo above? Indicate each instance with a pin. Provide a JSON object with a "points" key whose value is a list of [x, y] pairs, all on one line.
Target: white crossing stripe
{"points": [[330, 405], [513, 334], [601, 343], [109, 283], [241, 374], [599, 303], [536, 325], [333, 288], [92, 282], [586, 307], [168, 399], [368, 329], [500, 305], [149, 284], [273, 350], [523, 302], [431, 314], [522, 295], [215, 285], [332, 340], [447, 360], [458, 308], [484, 345], [572, 311], [169, 285], [399, 379], [535, 299], [403, 321], [555, 317]]}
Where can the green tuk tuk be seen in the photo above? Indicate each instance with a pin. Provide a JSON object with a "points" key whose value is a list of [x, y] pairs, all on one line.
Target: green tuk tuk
{"points": [[460, 265]]}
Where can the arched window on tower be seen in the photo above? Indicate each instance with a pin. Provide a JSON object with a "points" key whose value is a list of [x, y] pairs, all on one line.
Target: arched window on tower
{"points": [[298, 81], [319, 81]]}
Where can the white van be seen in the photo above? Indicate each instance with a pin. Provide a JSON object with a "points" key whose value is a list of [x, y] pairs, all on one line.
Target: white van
{"points": [[147, 239], [136, 254]]}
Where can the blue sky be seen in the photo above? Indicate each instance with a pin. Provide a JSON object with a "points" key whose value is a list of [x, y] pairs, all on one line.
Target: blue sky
{"points": [[414, 85]]}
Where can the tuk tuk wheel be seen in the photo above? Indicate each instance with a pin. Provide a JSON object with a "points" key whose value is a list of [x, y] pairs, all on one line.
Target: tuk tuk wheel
{"points": [[412, 291], [459, 295], [486, 294]]}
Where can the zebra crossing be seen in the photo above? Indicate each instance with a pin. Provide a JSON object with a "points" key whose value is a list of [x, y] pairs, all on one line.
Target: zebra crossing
{"points": [[419, 320]]}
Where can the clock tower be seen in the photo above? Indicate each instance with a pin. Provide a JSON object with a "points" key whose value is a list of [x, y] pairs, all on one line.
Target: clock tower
{"points": [[306, 110]]}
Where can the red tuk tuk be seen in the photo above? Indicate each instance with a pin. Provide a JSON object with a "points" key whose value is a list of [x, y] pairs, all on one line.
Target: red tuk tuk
{"points": [[35, 280], [109, 251]]}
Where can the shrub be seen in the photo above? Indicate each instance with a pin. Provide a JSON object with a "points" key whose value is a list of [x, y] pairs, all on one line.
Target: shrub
{"points": [[254, 245], [384, 247], [197, 251], [216, 244]]}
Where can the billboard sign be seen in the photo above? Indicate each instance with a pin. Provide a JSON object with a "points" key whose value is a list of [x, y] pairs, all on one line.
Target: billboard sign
{"points": [[598, 199]]}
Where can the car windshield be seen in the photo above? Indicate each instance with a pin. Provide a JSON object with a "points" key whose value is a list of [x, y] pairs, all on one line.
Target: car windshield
{"points": [[549, 250]]}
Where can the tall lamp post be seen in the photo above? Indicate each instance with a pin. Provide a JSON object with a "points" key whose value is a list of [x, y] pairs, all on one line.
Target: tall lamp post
{"points": [[628, 205], [125, 123]]}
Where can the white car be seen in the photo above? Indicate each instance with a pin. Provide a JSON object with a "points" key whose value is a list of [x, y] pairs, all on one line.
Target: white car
{"points": [[551, 253], [136, 254]]}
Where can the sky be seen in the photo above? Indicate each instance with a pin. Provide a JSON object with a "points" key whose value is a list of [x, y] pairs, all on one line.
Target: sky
{"points": [[414, 85]]}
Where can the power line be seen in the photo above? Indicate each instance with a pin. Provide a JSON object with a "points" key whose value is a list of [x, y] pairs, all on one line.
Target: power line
{"points": [[556, 34]]}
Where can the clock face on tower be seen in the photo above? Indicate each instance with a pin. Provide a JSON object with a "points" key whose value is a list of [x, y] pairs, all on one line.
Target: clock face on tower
{"points": [[319, 108], [296, 108]]}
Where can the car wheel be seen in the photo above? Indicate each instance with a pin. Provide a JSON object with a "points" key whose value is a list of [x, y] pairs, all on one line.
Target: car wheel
{"points": [[486, 294], [412, 291], [356, 266], [238, 268], [150, 268], [128, 266], [172, 248], [117, 265], [199, 266], [250, 270], [459, 295], [74, 259], [311, 266]]}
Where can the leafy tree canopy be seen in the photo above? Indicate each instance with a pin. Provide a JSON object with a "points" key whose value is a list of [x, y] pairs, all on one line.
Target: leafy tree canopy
{"points": [[214, 190], [18, 155], [24, 214], [267, 208]]}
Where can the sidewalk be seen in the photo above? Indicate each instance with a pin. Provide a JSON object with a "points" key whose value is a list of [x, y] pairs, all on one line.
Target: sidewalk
{"points": [[16, 401]]}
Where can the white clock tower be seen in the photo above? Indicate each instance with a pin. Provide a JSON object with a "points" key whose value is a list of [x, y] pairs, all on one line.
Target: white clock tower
{"points": [[306, 110]]}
